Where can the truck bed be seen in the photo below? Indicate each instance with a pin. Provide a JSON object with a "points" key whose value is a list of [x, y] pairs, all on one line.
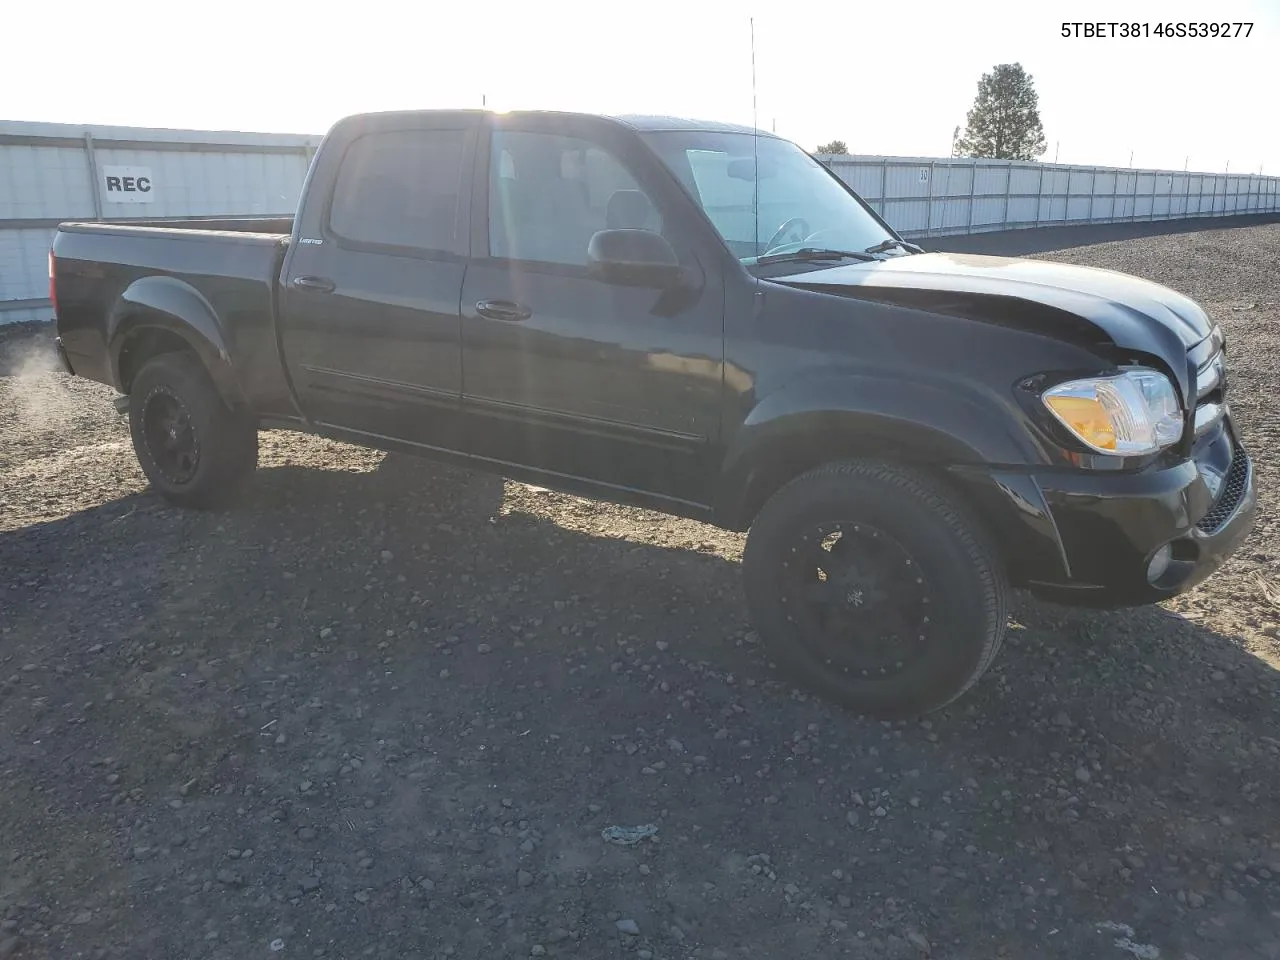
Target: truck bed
{"points": [[274, 224], [109, 274]]}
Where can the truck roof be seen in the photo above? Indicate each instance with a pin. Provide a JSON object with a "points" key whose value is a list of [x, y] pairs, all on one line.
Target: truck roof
{"points": [[646, 123]]}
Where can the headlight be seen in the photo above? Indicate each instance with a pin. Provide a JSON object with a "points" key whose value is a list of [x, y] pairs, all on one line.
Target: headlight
{"points": [[1131, 414]]}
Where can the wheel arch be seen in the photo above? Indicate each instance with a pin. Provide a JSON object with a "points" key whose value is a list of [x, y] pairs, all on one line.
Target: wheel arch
{"points": [[821, 421], [161, 315]]}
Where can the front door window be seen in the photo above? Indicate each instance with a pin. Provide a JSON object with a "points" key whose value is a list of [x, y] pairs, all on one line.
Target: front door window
{"points": [[549, 193]]}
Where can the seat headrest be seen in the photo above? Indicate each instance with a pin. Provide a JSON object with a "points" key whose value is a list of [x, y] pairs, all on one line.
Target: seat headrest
{"points": [[627, 209]]}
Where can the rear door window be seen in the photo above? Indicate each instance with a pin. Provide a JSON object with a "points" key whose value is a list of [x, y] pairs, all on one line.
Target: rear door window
{"points": [[402, 190]]}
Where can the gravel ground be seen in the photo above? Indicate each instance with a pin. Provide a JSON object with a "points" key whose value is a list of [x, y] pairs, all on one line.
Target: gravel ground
{"points": [[382, 708]]}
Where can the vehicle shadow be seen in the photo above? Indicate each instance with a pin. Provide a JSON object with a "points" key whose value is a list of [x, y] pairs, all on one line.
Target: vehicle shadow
{"points": [[446, 517], [1097, 741]]}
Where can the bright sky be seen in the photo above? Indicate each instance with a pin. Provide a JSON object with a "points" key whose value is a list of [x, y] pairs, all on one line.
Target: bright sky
{"points": [[886, 76]]}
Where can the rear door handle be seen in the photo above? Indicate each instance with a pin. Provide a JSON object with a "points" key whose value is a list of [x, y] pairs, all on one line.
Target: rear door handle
{"points": [[503, 310], [318, 284]]}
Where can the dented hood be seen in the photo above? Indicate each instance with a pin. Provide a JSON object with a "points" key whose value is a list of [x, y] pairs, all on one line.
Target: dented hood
{"points": [[1083, 304]]}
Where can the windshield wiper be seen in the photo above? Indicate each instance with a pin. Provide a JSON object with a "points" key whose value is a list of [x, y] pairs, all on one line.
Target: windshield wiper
{"points": [[889, 244], [816, 253]]}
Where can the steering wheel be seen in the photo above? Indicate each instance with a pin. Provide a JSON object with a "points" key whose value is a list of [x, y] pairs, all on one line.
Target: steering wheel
{"points": [[799, 225]]}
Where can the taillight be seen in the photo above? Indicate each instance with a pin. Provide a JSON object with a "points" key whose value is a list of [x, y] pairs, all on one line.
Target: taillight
{"points": [[53, 287]]}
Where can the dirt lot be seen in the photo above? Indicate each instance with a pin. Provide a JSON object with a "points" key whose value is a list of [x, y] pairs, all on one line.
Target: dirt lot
{"points": [[385, 709]]}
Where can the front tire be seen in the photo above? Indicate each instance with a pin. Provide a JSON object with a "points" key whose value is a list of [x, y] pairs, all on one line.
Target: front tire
{"points": [[193, 448], [871, 585]]}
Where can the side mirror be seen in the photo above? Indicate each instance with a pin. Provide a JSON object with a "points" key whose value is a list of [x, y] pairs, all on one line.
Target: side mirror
{"points": [[633, 258]]}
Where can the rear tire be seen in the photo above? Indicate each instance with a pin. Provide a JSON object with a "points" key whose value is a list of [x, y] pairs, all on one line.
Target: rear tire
{"points": [[193, 448], [871, 585]]}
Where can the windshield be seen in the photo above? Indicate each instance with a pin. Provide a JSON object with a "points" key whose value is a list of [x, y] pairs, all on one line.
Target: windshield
{"points": [[799, 203]]}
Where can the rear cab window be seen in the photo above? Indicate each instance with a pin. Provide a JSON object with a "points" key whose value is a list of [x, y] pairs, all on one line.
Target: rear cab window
{"points": [[403, 190]]}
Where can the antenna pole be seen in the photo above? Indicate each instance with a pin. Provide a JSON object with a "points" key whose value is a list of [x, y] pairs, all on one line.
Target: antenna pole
{"points": [[755, 142]]}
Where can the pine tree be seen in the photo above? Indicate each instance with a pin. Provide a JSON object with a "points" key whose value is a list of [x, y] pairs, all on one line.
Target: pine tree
{"points": [[835, 146], [1004, 121]]}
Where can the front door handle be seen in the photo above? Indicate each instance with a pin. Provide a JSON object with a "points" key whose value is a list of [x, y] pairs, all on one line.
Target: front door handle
{"points": [[503, 310], [318, 284]]}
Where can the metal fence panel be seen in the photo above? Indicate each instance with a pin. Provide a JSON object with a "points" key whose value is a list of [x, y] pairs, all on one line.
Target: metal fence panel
{"points": [[1024, 179], [954, 181], [907, 180], [991, 179], [1055, 180], [865, 179], [1080, 181], [914, 213], [24, 254], [988, 211], [1021, 210], [954, 214], [934, 196], [57, 172], [38, 182], [1078, 207]]}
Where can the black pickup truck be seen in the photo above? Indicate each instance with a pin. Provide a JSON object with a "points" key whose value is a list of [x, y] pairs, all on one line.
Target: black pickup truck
{"points": [[700, 319]]}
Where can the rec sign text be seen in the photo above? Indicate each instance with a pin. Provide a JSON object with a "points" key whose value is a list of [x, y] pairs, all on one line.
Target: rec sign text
{"points": [[127, 184]]}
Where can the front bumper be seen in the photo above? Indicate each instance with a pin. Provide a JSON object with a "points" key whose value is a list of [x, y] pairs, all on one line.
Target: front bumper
{"points": [[1088, 538]]}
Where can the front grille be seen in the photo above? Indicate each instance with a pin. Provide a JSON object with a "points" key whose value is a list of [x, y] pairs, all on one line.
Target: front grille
{"points": [[1229, 498]]}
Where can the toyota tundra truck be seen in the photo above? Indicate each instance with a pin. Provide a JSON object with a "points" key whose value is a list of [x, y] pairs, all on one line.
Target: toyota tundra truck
{"points": [[699, 319]]}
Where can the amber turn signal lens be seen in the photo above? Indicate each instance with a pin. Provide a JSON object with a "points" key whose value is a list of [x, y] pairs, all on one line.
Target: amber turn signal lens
{"points": [[1086, 418]]}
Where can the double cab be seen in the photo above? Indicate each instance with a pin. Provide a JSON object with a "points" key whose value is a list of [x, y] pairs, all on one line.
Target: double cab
{"points": [[700, 319]]}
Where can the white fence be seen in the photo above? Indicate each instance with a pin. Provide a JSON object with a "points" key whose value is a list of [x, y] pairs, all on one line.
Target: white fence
{"points": [[51, 172], [929, 197]]}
